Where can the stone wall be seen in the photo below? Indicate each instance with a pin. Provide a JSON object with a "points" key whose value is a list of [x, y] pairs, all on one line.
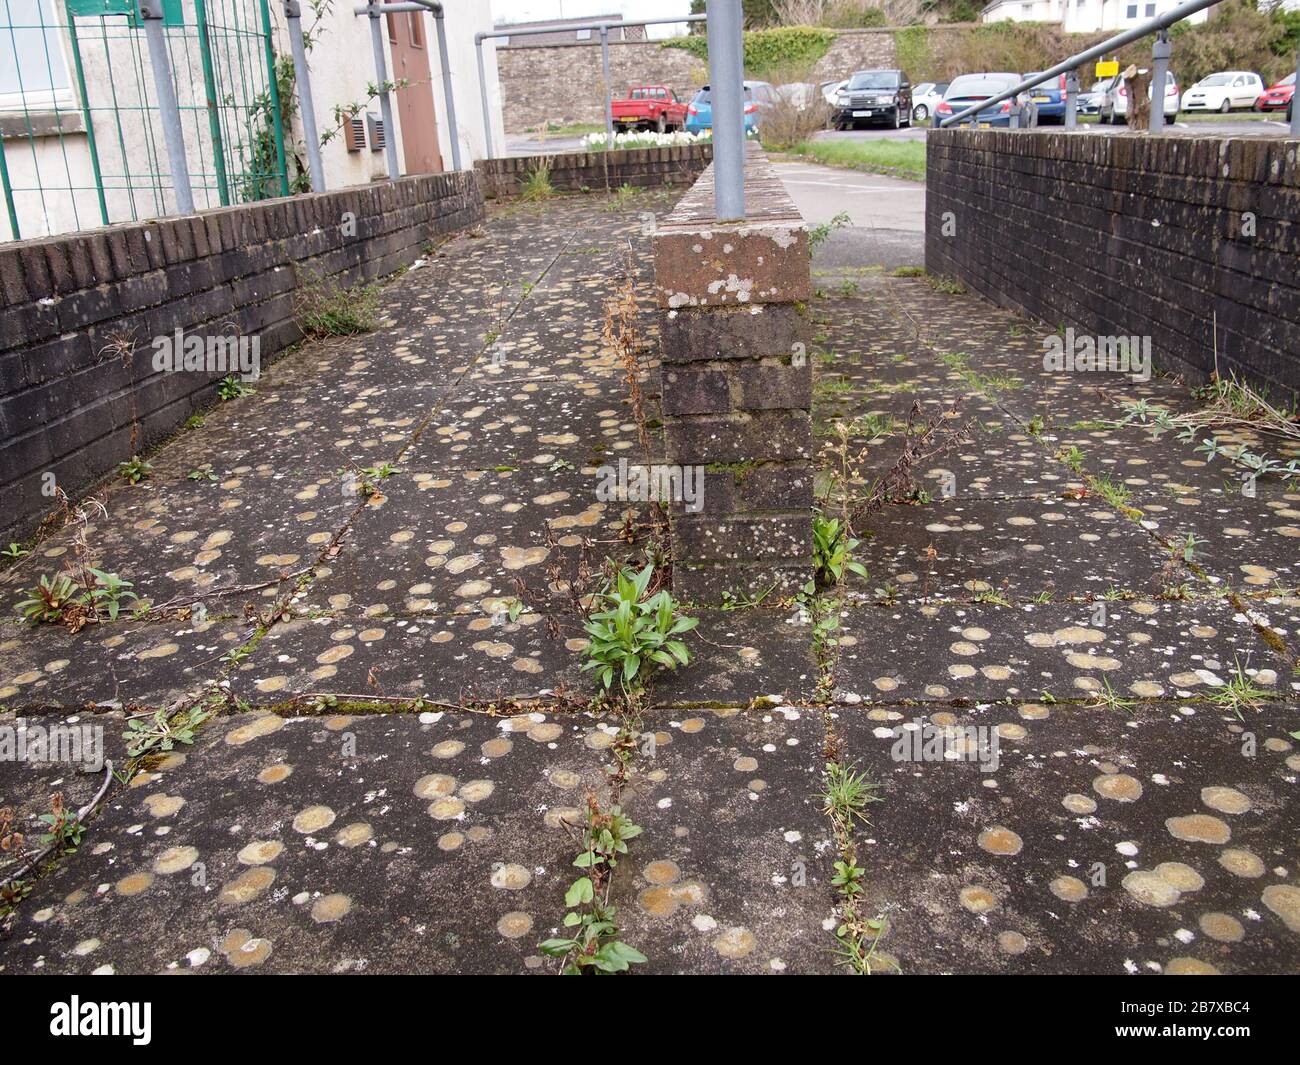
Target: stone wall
{"points": [[78, 388], [1130, 235], [586, 171], [737, 386], [565, 83]]}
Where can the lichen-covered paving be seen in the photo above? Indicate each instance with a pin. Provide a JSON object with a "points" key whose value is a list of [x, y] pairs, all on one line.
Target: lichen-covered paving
{"points": [[1070, 672]]}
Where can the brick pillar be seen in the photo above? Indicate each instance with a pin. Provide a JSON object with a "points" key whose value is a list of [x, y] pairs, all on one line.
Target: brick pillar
{"points": [[737, 386]]}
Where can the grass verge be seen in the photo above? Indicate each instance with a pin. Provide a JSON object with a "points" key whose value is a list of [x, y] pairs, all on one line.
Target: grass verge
{"points": [[897, 158]]}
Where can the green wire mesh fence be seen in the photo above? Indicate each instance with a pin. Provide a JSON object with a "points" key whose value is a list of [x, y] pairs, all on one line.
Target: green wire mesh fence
{"points": [[83, 140]]}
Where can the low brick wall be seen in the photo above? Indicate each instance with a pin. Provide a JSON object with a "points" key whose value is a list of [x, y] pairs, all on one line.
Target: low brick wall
{"points": [[737, 386], [1129, 235], [73, 403], [678, 165]]}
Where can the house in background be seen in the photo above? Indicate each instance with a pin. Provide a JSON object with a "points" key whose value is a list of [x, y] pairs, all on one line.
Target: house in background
{"points": [[82, 137], [1084, 16]]}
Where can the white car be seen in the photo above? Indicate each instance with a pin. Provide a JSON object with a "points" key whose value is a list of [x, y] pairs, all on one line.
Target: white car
{"points": [[1229, 90], [830, 89], [1114, 101], [926, 97]]}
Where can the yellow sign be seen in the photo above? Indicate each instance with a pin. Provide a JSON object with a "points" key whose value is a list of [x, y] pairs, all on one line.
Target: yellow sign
{"points": [[1107, 68]]}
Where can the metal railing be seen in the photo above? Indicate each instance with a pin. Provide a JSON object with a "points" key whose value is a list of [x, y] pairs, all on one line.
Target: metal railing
{"points": [[1160, 64]]}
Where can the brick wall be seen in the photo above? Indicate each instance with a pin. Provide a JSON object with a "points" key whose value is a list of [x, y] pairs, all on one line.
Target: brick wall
{"points": [[1125, 235], [584, 171], [737, 386], [73, 405]]}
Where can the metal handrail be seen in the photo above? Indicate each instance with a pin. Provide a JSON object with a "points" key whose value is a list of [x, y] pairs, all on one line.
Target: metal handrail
{"points": [[1153, 25]]}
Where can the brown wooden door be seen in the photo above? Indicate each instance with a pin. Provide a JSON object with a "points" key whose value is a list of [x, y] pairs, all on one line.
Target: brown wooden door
{"points": [[408, 43]]}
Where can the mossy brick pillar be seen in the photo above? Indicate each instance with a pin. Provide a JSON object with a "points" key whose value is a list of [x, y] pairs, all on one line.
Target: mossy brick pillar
{"points": [[737, 386]]}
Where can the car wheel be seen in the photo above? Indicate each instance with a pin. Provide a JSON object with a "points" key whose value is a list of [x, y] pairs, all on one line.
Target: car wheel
{"points": [[1225, 107], [898, 118], [920, 113]]}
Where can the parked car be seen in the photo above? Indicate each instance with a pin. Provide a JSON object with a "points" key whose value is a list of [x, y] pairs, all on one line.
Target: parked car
{"points": [[1048, 99], [699, 112], [1090, 100], [925, 98], [1114, 103], [649, 107], [830, 88], [1278, 96], [968, 90], [1226, 91], [874, 96]]}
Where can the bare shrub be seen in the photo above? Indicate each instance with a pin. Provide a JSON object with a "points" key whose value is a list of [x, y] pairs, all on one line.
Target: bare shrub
{"points": [[798, 111]]}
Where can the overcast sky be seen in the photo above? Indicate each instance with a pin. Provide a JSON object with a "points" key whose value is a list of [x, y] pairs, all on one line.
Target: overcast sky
{"points": [[536, 10]]}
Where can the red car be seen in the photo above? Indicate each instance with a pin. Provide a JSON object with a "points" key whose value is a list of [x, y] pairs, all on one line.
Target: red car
{"points": [[1278, 96], [649, 107]]}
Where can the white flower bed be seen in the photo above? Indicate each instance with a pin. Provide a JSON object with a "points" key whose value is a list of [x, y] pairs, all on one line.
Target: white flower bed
{"points": [[597, 142]]}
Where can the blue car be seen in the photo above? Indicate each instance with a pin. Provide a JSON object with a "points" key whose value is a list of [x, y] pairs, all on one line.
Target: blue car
{"points": [[699, 113], [1048, 99]]}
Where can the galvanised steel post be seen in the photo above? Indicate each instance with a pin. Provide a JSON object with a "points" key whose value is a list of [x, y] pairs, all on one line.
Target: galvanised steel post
{"points": [[1295, 111], [452, 129], [385, 98], [727, 88], [306, 107], [1072, 99], [169, 112], [1160, 53], [483, 95], [609, 92]]}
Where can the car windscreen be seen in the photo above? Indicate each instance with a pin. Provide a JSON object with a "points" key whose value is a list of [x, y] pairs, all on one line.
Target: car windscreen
{"points": [[703, 96], [873, 79], [1217, 79], [979, 85], [1288, 80]]}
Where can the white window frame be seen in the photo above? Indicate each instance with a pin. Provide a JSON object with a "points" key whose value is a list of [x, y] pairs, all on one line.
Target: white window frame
{"points": [[43, 99]]}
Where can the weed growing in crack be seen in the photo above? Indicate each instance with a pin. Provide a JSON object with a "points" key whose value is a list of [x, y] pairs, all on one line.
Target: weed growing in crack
{"points": [[1117, 495], [845, 795], [594, 946], [635, 632], [160, 731], [820, 234], [228, 388], [1240, 692], [1107, 697], [63, 829], [57, 598], [324, 308], [833, 549], [134, 470], [537, 185]]}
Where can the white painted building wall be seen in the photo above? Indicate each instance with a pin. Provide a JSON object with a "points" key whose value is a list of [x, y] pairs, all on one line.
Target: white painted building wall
{"points": [[342, 66], [1084, 16]]}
